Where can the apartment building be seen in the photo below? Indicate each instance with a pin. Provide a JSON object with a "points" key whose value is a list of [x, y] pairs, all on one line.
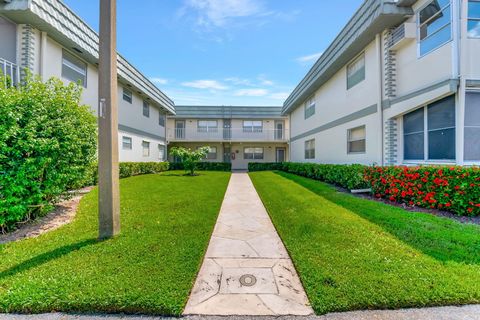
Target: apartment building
{"points": [[234, 134], [400, 84], [47, 38]]}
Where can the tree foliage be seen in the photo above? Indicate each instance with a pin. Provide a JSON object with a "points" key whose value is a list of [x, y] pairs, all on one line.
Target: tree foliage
{"points": [[190, 158], [47, 143]]}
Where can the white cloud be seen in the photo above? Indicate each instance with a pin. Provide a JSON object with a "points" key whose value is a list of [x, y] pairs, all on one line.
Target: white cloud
{"points": [[280, 95], [309, 58], [205, 84], [239, 81], [251, 92], [218, 13], [159, 80]]}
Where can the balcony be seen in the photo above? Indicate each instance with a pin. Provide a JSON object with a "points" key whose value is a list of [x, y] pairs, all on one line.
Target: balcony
{"points": [[9, 73], [227, 135]]}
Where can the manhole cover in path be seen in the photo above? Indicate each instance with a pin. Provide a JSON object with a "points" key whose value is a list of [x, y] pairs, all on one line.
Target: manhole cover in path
{"points": [[248, 280]]}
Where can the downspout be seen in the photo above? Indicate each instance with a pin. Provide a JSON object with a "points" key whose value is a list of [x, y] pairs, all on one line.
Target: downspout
{"points": [[43, 56], [457, 30], [378, 41]]}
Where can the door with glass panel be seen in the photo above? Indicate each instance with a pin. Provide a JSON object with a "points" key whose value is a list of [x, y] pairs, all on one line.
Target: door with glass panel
{"points": [[280, 155], [227, 129], [180, 129], [279, 130]]}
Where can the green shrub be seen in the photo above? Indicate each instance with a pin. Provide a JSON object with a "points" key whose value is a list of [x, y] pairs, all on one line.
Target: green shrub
{"points": [[47, 144], [346, 176], [455, 189], [204, 166], [128, 169]]}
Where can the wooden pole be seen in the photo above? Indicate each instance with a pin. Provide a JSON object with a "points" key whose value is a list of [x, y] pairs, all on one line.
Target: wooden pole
{"points": [[108, 195]]}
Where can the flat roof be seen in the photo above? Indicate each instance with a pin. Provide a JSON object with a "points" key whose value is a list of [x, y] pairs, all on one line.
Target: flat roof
{"points": [[227, 112]]}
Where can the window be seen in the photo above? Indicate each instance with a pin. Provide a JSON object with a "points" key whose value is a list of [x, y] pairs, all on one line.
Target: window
{"points": [[127, 95], [161, 152], [253, 153], [252, 126], [161, 119], [473, 19], [146, 148], [472, 127], [356, 140], [429, 132], [126, 143], [74, 69], [356, 71], [212, 153], [310, 149], [146, 109], [310, 107], [434, 23], [207, 126]]}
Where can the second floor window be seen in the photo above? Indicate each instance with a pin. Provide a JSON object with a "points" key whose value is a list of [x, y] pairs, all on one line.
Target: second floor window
{"points": [[74, 69], [146, 109], [207, 126], [252, 126], [473, 19], [310, 107], [435, 25], [161, 120], [127, 95], [356, 71]]}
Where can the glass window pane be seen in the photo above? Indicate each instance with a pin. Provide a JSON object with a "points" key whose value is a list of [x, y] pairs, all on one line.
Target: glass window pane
{"points": [[472, 109], [356, 72], [474, 28], [414, 146], [436, 40], [356, 146], [441, 144], [441, 114], [472, 144], [413, 121], [438, 19], [356, 134], [474, 9]]}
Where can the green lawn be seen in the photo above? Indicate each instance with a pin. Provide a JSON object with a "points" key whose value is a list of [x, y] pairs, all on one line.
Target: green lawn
{"points": [[167, 220], [353, 253]]}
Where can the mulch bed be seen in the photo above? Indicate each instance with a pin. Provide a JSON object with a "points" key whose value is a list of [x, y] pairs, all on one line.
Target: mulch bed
{"points": [[63, 214]]}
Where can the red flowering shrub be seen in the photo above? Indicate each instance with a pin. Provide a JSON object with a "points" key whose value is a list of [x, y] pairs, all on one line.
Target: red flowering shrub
{"points": [[455, 189]]}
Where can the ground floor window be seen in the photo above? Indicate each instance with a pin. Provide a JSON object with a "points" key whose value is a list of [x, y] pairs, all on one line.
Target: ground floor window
{"points": [[356, 140], [126, 143], [472, 127], [212, 153], [310, 149], [253, 153], [429, 132], [161, 152], [146, 148]]}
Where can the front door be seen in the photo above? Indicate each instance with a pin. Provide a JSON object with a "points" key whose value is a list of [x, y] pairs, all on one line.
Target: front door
{"points": [[179, 129], [279, 130], [227, 154], [280, 155]]}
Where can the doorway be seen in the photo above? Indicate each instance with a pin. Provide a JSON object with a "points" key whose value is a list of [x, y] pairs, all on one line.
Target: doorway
{"points": [[280, 155], [179, 129], [279, 130]]}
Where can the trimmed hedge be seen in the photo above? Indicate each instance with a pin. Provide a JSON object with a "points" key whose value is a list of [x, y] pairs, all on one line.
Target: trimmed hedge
{"points": [[455, 189], [204, 166], [346, 176], [129, 169]]}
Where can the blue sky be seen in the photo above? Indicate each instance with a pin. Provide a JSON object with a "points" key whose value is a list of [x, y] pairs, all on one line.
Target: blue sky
{"points": [[224, 52]]}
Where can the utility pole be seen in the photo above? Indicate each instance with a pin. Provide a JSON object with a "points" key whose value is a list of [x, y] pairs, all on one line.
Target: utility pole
{"points": [[108, 194]]}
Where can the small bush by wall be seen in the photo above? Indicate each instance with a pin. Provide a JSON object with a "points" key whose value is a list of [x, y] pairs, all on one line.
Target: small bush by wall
{"points": [[128, 169], [455, 189], [204, 166], [346, 176]]}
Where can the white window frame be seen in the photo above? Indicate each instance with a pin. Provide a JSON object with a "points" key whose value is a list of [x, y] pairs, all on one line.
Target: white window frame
{"points": [[353, 63], [127, 145], [207, 126], [253, 126], [146, 109], [258, 153], [71, 61], [309, 107], [349, 139], [162, 119], [212, 153], [419, 26], [127, 95], [469, 18], [309, 151], [161, 152], [145, 147]]}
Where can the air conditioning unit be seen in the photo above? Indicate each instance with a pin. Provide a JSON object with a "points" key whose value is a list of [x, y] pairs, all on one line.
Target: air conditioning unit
{"points": [[402, 35]]}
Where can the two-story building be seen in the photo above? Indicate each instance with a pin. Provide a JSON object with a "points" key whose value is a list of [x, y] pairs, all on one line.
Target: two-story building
{"points": [[400, 84], [234, 134], [47, 38]]}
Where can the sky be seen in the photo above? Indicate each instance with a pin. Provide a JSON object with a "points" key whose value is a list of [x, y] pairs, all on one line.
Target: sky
{"points": [[224, 52]]}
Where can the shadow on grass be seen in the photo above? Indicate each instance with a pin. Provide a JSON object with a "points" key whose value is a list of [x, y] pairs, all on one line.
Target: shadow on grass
{"points": [[441, 238], [46, 257]]}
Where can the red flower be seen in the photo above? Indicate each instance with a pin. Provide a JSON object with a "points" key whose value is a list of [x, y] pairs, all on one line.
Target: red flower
{"points": [[448, 204]]}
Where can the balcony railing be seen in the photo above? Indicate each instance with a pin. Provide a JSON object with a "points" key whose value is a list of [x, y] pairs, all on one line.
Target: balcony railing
{"points": [[221, 134], [9, 73]]}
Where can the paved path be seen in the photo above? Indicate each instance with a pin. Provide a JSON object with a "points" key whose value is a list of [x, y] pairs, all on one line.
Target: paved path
{"points": [[246, 270]]}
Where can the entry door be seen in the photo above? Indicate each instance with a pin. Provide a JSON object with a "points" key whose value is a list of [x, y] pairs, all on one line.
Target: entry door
{"points": [[279, 130], [280, 155], [227, 129], [227, 156], [180, 129]]}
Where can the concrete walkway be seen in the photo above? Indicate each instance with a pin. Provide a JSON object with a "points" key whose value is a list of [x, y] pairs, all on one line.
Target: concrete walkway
{"points": [[246, 270]]}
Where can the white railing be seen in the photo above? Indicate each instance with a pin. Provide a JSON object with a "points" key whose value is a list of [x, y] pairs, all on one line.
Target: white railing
{"points": [[234, 134], [9, 73]]}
